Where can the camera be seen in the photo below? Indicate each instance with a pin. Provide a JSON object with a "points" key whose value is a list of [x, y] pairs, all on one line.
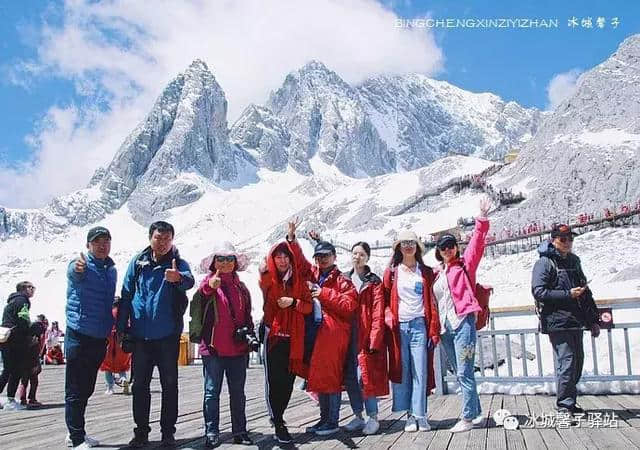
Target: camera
{"points": [[243, 334]]}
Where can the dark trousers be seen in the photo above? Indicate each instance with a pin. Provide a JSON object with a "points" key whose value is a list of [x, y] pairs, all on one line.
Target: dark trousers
{"points": [[280, 380], [148, 354], [569, 355], [84, 355], [214, 368], [13, 362], [30, 380]]}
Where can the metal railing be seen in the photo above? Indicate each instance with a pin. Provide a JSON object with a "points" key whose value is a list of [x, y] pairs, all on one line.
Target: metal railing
{"points": [[518, 336]]}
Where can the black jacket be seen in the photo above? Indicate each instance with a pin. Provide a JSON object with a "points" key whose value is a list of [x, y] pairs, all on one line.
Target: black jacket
{"points": [[552, 279], [16, 316]]}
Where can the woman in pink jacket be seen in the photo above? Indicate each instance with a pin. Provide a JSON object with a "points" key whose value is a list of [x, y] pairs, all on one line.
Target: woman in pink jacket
{"points": [[454, 289]]}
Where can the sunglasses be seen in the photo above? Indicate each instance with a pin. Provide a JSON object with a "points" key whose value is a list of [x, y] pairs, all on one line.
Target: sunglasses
{"points": [[408, 244], [565, 239], [222, 259], [447, 246]]}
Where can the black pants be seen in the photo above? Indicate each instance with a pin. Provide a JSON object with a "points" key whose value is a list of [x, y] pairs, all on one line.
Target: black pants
{"points": [[280, 380], [84, 355], [13, 362], [162, 353], [30, 380], [569, 355]]}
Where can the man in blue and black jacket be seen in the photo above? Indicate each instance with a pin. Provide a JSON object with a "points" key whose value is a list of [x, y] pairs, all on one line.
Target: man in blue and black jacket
{"points": [[153, 301], [565, 306], [91, 286]]}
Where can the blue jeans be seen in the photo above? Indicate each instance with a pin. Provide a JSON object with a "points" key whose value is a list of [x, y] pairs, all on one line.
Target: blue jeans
{"points": [[214, 368], [108, 378], [330, 408], [460, 347], [353, 380], [411, 394], [146, 355], [84, 355]]}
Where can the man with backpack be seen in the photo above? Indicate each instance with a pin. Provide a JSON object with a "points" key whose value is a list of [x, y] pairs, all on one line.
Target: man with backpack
{"points": [[91, 284], [153, 299], [565, 306]]}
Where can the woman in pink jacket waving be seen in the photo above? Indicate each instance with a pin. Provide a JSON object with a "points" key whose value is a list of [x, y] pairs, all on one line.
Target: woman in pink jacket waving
{"points": [[454, 289]]}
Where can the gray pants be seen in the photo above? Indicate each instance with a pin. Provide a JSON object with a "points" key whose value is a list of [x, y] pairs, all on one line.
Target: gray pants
{"points": [[569, 356]]}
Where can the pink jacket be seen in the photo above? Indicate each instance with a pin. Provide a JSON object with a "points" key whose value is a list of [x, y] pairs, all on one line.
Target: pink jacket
{"points": [[463, 291]]}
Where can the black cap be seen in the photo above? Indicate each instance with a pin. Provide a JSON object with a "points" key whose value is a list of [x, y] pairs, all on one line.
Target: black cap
{"points": [[561, 230], [96, 232], [324, 248], [445, 239]]}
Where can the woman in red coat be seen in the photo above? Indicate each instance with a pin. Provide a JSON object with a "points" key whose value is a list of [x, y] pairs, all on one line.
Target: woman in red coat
{"points": [[115, 360], [286, 301], [412, 316], [334, 299], [366, 375]]}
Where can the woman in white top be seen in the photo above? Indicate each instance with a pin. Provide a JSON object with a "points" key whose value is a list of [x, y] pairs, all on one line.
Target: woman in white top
{"points": [[454, 289]]}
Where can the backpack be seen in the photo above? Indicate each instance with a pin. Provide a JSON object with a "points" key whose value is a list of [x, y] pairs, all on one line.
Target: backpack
{"points": [[483, 294]]}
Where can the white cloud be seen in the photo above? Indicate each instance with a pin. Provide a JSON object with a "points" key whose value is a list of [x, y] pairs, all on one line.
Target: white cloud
{"points": [[562, 86], [125, 52]]}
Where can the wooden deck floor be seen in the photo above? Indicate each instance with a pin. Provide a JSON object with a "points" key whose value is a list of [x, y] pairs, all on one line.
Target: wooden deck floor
{"points": [[109, 419]]}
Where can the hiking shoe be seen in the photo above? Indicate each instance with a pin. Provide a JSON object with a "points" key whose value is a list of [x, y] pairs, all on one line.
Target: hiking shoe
{"points": [[243, 439], [139, 441], [371, 427], [576, 410], [313, 428], [423, 425], [326, 429], [34, 404], [462, 426], [282, 435], [411, 425], [91, 442], [357, 423], [211, 441], [168, 441]]}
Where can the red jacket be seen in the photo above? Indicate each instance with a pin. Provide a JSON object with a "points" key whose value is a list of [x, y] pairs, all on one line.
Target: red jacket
{"points": [[432, 320], [371, 331], [339, 301], [287, 321]]}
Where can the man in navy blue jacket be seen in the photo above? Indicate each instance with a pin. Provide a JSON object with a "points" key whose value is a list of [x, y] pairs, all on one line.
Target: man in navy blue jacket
{"points": [[153, 301], [565, 306], [91, 285]]}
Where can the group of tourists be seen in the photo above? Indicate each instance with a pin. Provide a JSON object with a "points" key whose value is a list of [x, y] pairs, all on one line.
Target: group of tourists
{"points": [[357, 331]]}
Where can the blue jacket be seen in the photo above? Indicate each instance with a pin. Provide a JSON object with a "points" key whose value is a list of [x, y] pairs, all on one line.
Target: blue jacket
{"points": [[552, 279], [90, 297], [151, 304]]}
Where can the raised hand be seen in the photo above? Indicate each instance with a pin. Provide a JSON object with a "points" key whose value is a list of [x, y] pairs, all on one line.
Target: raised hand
{"points": [[313, 234], [291, 228], [172, 275], [485, 206], [81, 264], [214, 281]]}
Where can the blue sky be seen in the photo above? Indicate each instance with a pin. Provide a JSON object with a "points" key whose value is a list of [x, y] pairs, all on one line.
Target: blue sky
{"points": [[46, 86]]}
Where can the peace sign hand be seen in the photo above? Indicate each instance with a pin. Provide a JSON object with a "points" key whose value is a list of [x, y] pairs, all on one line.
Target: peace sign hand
{"points": [[291, 228]]}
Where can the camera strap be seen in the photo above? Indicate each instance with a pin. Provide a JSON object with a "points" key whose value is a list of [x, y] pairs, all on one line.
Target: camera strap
{"points": [[231, 309]]}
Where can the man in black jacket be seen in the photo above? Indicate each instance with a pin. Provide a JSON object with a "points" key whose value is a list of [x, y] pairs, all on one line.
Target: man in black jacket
{"points": [[565, 307], [15, 350]]}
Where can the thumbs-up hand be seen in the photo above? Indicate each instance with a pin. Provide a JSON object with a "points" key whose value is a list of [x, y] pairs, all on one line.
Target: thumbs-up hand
{"points": [[172, 275], [81, 264], [214, 281]]}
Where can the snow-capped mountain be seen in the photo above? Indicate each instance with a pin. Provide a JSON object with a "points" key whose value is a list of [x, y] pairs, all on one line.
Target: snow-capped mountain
{"points": [[586, 155]]}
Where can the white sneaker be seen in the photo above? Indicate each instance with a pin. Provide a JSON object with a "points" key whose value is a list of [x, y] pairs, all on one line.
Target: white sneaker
{"points": [[423, 425], [462, 426], [82, 446], [479, 420], [13, 405], [109, 391], [411, 425], [357, 423], [371, 427], [88, 440]]}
